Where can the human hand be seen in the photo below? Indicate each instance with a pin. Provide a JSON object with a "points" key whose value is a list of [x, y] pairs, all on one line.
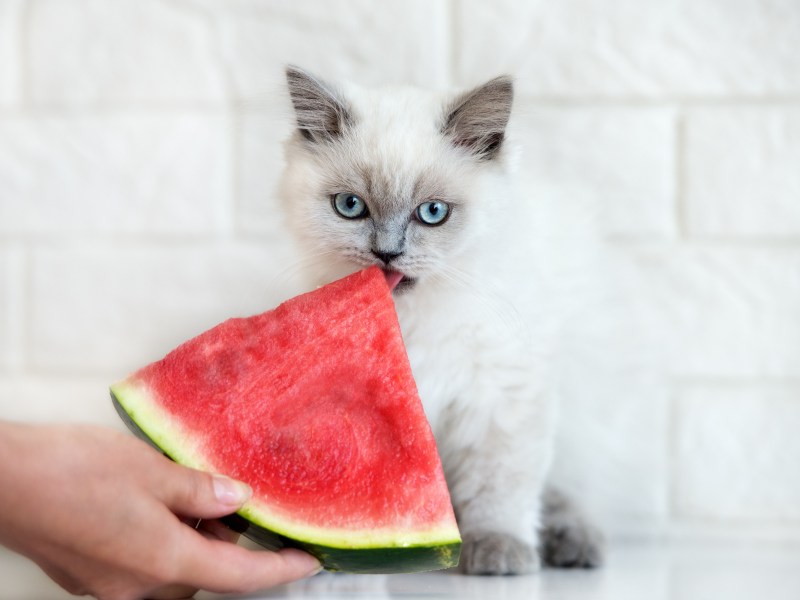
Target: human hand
{"points": [[100, 512]]}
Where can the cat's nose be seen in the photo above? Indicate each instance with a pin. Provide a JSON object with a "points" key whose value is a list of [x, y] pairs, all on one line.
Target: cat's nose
{"points": [[386, 257]]}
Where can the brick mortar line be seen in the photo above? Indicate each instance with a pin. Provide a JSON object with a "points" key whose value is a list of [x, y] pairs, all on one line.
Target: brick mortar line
{"points": [[23, 62], [679, 173], [16, 282], [245, 236], [667, 101], [454, 12], [671, 474], [747, 240], [121, 238], [244, 106], [236, 132], [30, 377], [25, 296], [102, 110], [46, 375], [243, 242], [733, 382], [226, 211], [233, 119], [732, 242], [710, 529]]}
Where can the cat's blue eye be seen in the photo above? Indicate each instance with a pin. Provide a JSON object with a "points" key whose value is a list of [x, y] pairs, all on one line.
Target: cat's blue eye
{"points": [[433, 212], [349, 205]]}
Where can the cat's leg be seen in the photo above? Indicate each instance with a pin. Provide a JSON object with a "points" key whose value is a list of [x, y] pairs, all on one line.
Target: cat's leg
{"points": [[567, 539], [495, 479]]}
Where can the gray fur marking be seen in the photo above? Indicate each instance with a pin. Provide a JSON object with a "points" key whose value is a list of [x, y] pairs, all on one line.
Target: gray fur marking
{"points": [[322, 115], [567, 539], [477, 120]]}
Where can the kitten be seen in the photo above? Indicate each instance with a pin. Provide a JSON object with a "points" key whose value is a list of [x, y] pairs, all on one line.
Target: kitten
{"points": [[423, 186]]}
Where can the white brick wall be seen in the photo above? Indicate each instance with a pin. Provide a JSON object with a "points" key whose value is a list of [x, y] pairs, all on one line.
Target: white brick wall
{"points": [[261, 136], [402, 41], [743, 171], [622, 159], [733, 444], [96, 53], [58, 400], [117, 173], [721, 310], [139, 300], [139, 147], [630, 48]]}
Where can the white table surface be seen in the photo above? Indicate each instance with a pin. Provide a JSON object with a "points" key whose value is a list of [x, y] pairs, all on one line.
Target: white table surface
{"points": [[635, 571]]}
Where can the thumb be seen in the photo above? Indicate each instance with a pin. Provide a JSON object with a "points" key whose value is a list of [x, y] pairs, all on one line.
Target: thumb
{"points": [[194, 493]]}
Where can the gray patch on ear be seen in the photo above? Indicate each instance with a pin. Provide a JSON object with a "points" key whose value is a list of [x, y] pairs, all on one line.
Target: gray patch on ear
{"points": [[477, 119], [322, 114]]}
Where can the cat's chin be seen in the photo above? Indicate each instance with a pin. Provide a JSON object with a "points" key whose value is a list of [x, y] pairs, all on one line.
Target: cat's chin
{"points": [[398, 282], [406, 284]]}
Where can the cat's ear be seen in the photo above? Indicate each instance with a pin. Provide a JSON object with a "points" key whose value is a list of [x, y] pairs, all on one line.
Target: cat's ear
{"points": [[322, 115], [477, 119]]}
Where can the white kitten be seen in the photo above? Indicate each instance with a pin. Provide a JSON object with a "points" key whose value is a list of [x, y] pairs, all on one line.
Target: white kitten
{"points": [[422, 185]]}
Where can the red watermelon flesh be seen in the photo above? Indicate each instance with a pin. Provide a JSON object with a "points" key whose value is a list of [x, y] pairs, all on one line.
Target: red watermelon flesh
{"points": [[314, 405]]}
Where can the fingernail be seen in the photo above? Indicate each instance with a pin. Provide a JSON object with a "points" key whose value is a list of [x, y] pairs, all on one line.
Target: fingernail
{"points": [[317, 568], [294, 555], [231, 492]]}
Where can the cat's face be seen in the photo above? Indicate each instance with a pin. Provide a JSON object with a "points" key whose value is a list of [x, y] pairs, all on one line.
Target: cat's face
{"points": [[390, 179]]}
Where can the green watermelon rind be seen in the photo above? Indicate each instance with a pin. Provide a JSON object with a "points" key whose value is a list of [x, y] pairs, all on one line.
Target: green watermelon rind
{"points": [[375, 560], [346, 551]]}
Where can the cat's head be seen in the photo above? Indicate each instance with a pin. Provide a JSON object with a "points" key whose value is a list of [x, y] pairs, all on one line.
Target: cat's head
{"points": [[402, 179]]}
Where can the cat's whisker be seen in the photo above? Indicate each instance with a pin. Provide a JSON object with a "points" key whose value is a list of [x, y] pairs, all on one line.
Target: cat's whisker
{"points": [[490, 299], [294, 270]]}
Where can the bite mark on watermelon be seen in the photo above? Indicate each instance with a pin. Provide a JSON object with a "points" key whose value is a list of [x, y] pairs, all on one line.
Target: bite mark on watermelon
{"points": [[313, 404]]}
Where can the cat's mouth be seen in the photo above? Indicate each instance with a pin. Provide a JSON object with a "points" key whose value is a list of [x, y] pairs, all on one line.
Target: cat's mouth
{"points": [[398, 282]]}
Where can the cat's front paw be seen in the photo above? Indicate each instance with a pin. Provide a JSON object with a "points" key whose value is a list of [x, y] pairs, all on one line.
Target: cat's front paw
{"points": [[490, 553], [572, 545], [568, 539]]}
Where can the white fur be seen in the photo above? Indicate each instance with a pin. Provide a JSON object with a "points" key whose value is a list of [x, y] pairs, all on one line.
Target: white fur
{"points": [[483, 324]]}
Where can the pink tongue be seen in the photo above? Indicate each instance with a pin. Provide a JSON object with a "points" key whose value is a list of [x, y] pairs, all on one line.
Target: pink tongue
{"points": [[392, 278]]}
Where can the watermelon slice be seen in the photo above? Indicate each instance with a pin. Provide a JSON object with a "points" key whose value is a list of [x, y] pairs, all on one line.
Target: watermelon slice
{"points": [[313, 405]]}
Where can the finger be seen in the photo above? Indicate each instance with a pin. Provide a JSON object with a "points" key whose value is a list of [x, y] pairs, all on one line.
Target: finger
{"points": [[194, 493], [213, 529], [221, 567], [192, 522], [172, 592], [62, 578], [217, 530]]}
